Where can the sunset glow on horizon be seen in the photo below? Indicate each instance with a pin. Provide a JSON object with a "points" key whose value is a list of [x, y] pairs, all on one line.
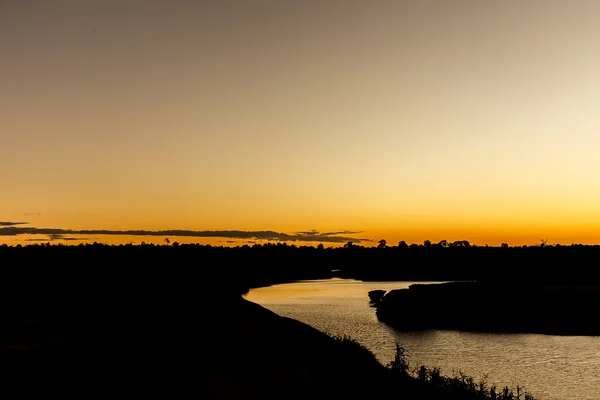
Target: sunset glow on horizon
{"points": [[395, 120]]}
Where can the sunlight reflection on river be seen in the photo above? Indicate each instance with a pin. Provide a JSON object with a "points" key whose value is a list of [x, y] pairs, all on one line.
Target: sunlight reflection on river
{"points": [[549, 367]]}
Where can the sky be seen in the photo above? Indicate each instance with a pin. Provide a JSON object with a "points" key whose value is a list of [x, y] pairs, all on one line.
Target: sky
{"points": [[315, 121]]}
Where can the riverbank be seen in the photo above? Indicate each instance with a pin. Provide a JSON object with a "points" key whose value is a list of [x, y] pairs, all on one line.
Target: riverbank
{"points": [[481, 307]]}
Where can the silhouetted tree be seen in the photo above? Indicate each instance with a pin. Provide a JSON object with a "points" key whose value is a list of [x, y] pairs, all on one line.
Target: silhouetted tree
{"points": [[382, 244], [460, 243]]}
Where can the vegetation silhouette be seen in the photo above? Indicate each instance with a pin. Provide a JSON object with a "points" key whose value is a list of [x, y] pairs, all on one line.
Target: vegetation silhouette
{"points": [[169, 319], [485, 307], [263, 264]]}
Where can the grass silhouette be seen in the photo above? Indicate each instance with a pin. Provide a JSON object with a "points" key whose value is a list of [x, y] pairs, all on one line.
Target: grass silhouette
{"points": [[431, 383]]}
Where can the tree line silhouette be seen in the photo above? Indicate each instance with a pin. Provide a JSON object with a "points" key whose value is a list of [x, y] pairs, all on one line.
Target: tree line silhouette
{"points": [[242, 267]]}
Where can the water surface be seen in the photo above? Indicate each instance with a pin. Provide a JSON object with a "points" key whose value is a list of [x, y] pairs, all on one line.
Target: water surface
{"points": [[549, 367]]}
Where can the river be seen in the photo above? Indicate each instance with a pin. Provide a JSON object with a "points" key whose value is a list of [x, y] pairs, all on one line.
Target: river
{"points": [[549, 367]]}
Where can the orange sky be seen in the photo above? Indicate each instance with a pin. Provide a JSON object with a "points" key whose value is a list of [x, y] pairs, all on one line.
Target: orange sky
{"points": [[404, 120]]}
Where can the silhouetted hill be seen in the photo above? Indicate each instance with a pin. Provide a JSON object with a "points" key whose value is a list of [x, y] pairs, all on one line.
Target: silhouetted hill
{"points": [[87, 321], [231, 350]]}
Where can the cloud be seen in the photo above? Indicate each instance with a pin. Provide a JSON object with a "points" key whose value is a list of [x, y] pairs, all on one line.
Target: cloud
{"points": [[311, 232], [342, 232], [54, 236], [322, 235], [60, 236], [309, 236], [6, 223]]}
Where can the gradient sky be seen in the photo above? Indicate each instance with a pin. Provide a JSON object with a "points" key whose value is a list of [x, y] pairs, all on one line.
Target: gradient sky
{"points": [[403, 120]]}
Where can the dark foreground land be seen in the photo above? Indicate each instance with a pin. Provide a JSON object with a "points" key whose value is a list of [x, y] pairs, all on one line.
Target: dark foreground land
{"points": [[102, 321], [233, 349]]}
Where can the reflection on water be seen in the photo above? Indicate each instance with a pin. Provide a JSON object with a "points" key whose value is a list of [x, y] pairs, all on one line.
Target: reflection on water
{"points": [[549, 367]]}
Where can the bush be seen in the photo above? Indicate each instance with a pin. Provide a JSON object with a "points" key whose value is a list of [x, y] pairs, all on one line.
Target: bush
{"points": [[460, 386]]}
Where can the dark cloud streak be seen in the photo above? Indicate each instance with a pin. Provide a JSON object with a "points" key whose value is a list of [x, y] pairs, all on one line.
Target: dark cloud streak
{"points": [[343, 232], [60, 236], [55, 236], [6, 223], [310, 236]]}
